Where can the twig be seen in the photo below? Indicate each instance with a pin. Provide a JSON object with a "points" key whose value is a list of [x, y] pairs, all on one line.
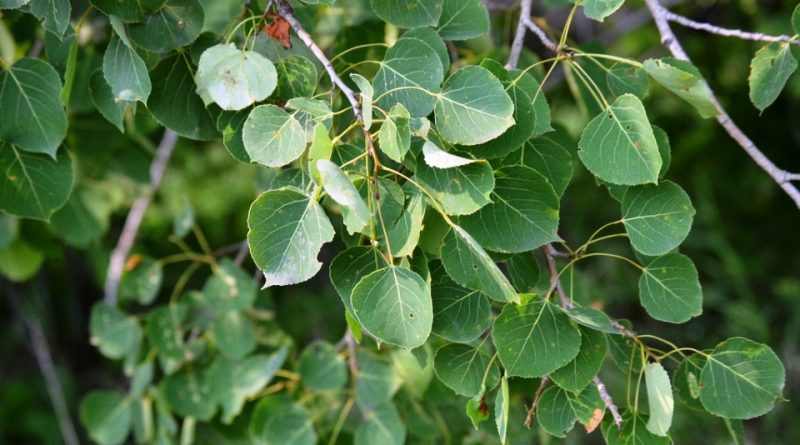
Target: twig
{"points": [[525, 23], [135, 216], [534, 28], [566, 303], [352, 360], [607, 400], [285, 10], [668, 39], [44, 359], [727, 32], [535, 404]]}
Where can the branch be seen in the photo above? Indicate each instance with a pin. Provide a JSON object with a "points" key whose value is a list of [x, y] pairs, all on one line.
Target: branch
{"points": [[668, 39], [607, 400], [135, 215], [44, 359], [566, 303], [525, 23], [727, 32], [535, 403], [285, 10]]}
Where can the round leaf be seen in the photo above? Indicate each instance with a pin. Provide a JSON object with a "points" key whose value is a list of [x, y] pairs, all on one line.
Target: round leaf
{"points": [[113, 332], [657, 217], [394, 305], [286, 232], [459, 314], [578, 373], [408, 13], [234, 79], [106, 415], [321, 368], [277, 420], [463, 19], [618, 145], [177, 23], [535, 339], [670, 290], [33, 185], [273, 137], [350, 266], [381, 425], [460, 190], [473, 107], [741, 379], [462, 367]]}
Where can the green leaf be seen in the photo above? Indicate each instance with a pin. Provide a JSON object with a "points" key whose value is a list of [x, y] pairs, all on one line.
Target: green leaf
{"points": [[125, 72], [501, 409], [33, 185], [230, 287], [19, 261], [548, 157], [523, 214], [394, 305], [105, 102], [112, 331], [143, 282], [531, 113], [618, 145], [177, 23], [796, 19], [83, 219], [321, 368], [473, 107], [592, 318], [477, 410], [189, 393], [341, 190], [31, 114], [686, 381], [232, 384], [234, 79], [55, 14], [684, 80], [670, 290], [272, 137], [741, 379], [437, 158], [470, 266], [431, 38], [462, 368], [321, 148], [286, 232], [130, 10], [600, 9], [578, 373], [367, 96], [459, 314], [174, 102], [559, 409], [769, 71], [659, 399], [403, 235], [535, 338], [310, 113], [395, 137], [381, 425], [410, 73], [408, 13], [632, 432], [106, 415], [463, 19], [9, 228], [234, 334], [459, 190], [664, 149], [164, 331], [231, 125], [627, 79], [350, 266], [377, 381], [297, 77], [657, 218]]}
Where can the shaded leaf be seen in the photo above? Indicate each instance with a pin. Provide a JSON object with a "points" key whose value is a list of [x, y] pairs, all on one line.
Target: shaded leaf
{"points": [[279, 420], [459, 190], [177, 23], [657, 218], [106, 415], [463, 19], [408, 13], [459, 314], [272, 137], [670, 290], [769, 71], [33, 185], [126, 72], [683, 79]]}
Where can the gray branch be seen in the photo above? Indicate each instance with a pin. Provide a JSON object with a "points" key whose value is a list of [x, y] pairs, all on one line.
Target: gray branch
{"points": [[727, 32], [668, 39], [525, 24], [135, 216], [285, 10], [41, 351]]}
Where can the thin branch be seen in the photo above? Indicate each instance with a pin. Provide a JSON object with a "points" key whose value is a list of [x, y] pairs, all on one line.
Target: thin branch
{"points": [[135, 216], [668, 39], [525, 23], [535, 404], [728, 32], [534, 28], [285, 10], [352, 359], [44, 359], [607, 400], [566, 303]]}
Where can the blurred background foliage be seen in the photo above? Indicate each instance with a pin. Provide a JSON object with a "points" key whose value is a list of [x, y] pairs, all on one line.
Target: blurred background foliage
{"points": [[745, 240]]}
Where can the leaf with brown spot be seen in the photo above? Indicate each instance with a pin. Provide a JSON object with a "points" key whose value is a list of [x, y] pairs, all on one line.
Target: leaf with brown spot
{"points": [[594, 422]]}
